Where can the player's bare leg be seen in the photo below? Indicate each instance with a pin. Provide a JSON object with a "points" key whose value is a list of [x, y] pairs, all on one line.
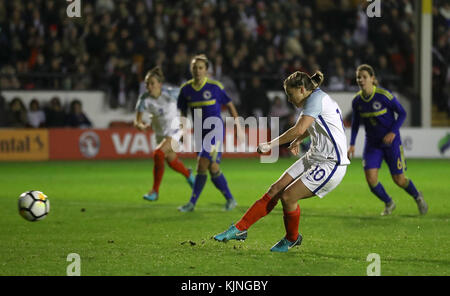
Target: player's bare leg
{"points": [[280, 185], [258, 210], [293, 193], [400, 180], [289, 199]]}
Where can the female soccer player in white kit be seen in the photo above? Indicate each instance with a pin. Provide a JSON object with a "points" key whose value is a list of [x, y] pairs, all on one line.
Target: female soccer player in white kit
{"points": [[316, 173], [161, 103]]}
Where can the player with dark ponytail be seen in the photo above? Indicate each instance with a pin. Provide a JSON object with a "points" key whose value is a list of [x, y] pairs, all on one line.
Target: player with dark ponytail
{"points": [[376, 107]]}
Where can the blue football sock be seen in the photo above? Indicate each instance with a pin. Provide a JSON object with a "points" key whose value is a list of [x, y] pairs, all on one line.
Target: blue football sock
{"points": [[199, 183], [379, 191], [221, 183], [411, 189]]}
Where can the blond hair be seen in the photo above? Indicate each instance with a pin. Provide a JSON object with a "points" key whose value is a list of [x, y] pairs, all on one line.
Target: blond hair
{"points": [[200, 57], [155, 72]]}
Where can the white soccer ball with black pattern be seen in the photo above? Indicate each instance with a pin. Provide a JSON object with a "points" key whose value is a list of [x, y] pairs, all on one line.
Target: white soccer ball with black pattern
{"points": [[33, 205]]}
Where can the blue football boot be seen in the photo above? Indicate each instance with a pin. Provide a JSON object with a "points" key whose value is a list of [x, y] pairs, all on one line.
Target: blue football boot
{"points": [[231, 233], [151, 197], [284, 245], [191, 178]]}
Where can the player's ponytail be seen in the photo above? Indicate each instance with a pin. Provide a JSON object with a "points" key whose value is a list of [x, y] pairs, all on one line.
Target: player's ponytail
{"points": [[317, 79], [368, 69], [299, 79]]}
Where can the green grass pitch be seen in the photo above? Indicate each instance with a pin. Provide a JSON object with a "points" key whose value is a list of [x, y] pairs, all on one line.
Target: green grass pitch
{"points": [[97, 211]]}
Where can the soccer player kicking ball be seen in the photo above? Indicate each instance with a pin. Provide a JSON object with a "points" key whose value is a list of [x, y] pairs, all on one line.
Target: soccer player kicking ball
{"points": [[161, 103], [317, 173], [376, 108]]}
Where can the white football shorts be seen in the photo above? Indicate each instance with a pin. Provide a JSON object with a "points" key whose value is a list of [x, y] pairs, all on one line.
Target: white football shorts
{"points": [[319, 176]]}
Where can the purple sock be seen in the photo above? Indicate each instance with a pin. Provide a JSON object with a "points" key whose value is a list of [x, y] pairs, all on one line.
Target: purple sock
{"points": [[199, 183], [411, 189], [379, 191], [221, 183]]}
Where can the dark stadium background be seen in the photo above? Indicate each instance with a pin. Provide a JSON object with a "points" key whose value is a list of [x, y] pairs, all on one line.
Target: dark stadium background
{"points": [[253, 45]]}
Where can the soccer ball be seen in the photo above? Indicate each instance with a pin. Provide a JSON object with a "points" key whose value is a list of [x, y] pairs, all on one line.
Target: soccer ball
{"points": [[33, 205]]}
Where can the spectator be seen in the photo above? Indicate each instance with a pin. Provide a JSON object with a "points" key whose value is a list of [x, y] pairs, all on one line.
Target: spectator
{"points": [[360, 33], [94, 40], [3, 111], [56, 117], [76, 117], [254, 99], [17, 115], [35, 116], [114, 40], [281, 110], [83, 80], [8, 78], [103, 6], [337, 81]]}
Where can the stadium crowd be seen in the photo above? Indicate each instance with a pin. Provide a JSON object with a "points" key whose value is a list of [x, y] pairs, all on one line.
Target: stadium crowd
{"points": [[252, 45], [16, 115]]}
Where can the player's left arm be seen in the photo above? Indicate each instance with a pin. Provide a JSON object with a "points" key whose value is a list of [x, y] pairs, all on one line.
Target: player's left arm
{"points": [[233, 111], [299, 130], [312, 109], [140, 107], [398, 108], [294, 147]]}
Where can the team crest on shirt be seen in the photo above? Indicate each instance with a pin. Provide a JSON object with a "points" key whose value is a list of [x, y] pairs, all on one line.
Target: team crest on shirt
{"points": [[207, 95], [376, 105]]}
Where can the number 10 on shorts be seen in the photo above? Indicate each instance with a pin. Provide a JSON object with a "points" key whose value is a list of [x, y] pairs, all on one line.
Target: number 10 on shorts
{"points": [[317, 173]]}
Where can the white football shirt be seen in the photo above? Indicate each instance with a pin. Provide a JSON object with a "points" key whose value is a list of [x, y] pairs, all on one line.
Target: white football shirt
{"points": [[328, 140], [163, 110]]}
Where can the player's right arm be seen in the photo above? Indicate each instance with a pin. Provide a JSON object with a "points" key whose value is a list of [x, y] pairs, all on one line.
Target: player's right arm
{"points": [[138, 122]]}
